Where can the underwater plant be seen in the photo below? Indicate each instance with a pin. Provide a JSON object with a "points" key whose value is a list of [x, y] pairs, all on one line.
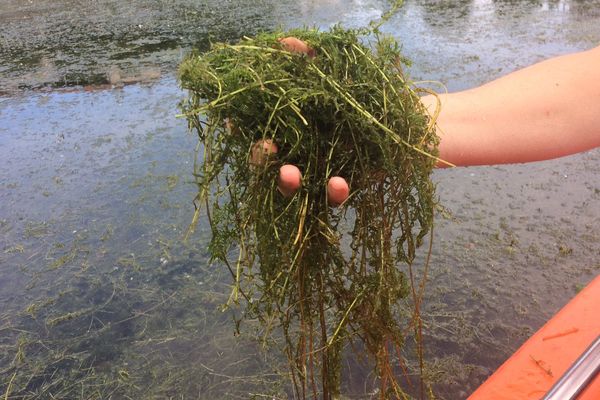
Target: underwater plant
{"points": [[326, 276]]}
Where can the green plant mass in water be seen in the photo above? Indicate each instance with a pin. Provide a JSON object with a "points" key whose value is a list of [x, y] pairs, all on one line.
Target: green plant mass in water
{"points": [[325, 276]]}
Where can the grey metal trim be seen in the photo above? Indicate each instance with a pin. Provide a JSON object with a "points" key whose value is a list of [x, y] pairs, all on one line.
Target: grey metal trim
{"points": [[578, 376]]}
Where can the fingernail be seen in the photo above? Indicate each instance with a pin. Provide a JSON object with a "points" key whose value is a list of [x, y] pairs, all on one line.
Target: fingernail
{"points": [[337, 190], [290, 179]]}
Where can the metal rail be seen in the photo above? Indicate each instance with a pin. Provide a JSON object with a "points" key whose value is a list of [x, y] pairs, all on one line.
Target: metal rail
{"points": [[578, 376]]}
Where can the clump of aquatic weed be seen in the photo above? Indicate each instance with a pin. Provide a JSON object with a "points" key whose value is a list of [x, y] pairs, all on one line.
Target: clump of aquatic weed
{"points": [[347, 110]]}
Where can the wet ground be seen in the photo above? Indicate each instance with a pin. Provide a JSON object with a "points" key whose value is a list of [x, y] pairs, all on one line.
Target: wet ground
{"points": [[99, 297]]}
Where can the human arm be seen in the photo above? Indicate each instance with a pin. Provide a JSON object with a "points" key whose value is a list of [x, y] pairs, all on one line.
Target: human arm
{"points": [[548, 110]]}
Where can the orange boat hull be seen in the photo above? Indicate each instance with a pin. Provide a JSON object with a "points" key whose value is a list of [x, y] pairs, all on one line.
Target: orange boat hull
{"points": [[534, 368]]}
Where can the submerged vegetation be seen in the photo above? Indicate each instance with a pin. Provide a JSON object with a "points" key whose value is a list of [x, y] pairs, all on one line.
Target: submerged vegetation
{"points": [[151, 333], [346, 109]]}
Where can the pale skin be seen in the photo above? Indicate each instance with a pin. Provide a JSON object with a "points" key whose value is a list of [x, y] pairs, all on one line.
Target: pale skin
{"points": [[548, 110]]}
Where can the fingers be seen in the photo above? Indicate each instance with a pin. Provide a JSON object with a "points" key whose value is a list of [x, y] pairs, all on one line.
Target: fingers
{"points": [[290, 180], [290, 177], [295, 45], [262, 151], [337, 190]]}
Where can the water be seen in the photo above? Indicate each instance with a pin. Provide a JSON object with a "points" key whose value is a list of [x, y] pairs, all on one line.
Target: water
{"points": [[99, 295]]}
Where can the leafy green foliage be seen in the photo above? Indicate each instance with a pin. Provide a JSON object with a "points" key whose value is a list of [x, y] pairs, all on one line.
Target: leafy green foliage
{"points": [[351, 112]]}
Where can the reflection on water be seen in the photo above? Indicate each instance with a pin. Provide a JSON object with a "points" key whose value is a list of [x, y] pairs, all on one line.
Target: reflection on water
{"points": [[85, 40], [98, 295], [48, 43]]}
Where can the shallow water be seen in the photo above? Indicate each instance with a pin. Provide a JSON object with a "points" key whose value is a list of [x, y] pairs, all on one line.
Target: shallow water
{"points": [[98, 293]]}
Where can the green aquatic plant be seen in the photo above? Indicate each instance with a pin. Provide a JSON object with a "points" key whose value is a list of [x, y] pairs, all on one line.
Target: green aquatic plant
{"points": [[325, 276]]}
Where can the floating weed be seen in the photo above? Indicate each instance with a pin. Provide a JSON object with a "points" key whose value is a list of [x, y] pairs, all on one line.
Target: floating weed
{"points": [[20, 355], [58, 181], [102, 140], [108, 233], [172, 181], [33, 308], [36, 230], [142, 181], [5, 226], [59, 262], [66, 317], [18, 248], [565, 250], [129, 262], [76, 250], [165, 249]]}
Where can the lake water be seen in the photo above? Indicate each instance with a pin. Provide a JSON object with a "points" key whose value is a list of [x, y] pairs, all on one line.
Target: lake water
{"points": [[99, 296]]}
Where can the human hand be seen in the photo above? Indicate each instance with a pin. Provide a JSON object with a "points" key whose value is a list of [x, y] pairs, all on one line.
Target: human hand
{"points": [[290, 176]]}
